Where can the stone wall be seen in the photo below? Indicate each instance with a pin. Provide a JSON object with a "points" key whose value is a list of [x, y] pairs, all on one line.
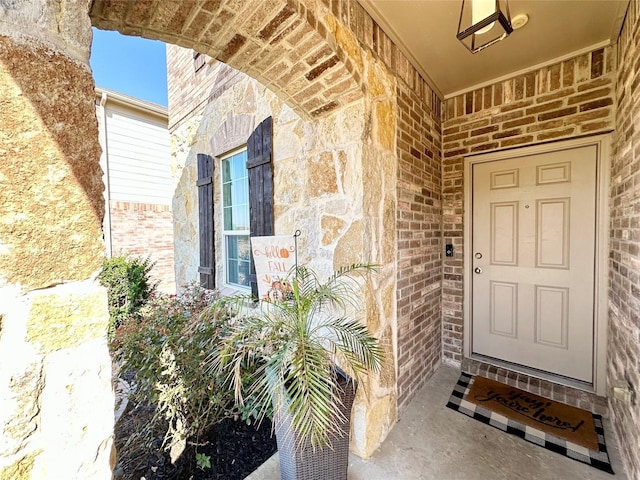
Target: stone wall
{"points": [[321, 168], [144, 229], [624, 272], [55, 369], [571, 98], [411, 116], [190, 95]]}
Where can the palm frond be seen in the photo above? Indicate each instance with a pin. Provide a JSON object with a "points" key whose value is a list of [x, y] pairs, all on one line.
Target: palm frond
{"points": [[352, 340], [310, 386]]}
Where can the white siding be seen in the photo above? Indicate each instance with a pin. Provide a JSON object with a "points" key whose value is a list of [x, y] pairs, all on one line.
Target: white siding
{"points": [[139, 157]]}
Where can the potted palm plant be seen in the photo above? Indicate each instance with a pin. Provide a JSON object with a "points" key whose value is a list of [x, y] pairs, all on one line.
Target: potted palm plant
{"points": [[310, 351]]}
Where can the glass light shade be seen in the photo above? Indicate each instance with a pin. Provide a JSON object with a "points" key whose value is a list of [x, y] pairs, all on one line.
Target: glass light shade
{"points": [[481, 9], [483, 23]]}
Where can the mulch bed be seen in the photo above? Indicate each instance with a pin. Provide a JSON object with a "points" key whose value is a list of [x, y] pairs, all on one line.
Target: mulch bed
{"points": [[236, 449]]}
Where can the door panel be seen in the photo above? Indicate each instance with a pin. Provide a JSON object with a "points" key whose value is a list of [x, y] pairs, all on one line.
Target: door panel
{"points": [[552, 232], [534, 226], [504, 309], [504, 233]]}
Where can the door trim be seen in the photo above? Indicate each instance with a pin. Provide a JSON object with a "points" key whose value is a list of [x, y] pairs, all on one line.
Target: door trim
{"points": [[602, 143]]}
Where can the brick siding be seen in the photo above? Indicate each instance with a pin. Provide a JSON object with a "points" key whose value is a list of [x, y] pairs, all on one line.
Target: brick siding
{"points": [[144, 229], [571, 98], [624, 244], [189, 90], [560, 393], [419, 240]]}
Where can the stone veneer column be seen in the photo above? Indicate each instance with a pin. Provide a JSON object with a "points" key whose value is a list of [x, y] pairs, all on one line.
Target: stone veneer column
{"points": [[56, 410]]}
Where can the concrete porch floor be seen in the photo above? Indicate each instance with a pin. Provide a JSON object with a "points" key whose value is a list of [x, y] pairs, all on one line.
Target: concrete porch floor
{"points": [[432, 441]]}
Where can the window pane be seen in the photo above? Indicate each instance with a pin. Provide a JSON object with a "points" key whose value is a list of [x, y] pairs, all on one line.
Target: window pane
{"points": [[226, 171], [238, 260], [239, 194], [240, 207], [245, 219], [228, 225], [235, 192], [235, 201], [239, 165], [244, 248], [236, 218]]}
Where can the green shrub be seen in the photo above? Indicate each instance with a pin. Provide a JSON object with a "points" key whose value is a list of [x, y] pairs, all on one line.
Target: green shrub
{"points": [[165, 346], [129, 286]]}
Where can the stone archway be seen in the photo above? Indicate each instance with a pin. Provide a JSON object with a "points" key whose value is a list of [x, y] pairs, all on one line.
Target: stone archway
{"points": [[282, 44]]}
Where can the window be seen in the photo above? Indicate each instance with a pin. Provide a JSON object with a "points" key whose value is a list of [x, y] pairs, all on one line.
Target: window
{"points": [[235, 204], [247, 203], [199, 61]]}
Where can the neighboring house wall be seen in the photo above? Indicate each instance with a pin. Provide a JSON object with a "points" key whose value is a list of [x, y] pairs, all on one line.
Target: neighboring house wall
{"points": [[136, 162]]}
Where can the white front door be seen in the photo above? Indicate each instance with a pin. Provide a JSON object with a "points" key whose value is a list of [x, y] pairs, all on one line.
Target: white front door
{"points": [[533, 261]]}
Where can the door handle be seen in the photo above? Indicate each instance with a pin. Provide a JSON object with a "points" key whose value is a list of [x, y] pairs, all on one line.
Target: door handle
{"points": [[478, 270]]}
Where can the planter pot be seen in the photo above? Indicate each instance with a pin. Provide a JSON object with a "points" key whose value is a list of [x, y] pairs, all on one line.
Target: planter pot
{"points": [[299, 461]]}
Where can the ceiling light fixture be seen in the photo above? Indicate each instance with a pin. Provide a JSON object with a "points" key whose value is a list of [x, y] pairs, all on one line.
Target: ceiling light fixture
{"points": [[483, 23]]}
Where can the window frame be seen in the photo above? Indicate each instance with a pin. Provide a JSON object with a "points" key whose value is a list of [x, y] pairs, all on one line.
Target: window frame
{"points": [[199, 61], [229, 233]]}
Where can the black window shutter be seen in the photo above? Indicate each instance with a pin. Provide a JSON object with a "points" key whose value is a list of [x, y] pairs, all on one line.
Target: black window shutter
{"points": [[205, 210], [260, 171]]}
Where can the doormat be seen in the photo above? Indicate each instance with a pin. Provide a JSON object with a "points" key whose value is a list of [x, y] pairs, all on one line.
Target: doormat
{"points": [[567, 430]]}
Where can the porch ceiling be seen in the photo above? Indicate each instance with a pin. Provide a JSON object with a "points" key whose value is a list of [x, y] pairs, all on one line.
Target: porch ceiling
{"points": [[426, 32]]}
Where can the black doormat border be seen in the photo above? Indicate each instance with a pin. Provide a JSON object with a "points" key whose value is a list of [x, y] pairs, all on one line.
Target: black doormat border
{"points": [[596, 458]]}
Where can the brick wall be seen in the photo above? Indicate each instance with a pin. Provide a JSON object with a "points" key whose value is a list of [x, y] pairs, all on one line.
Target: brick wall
{"points": [[624, 271], [571, 98], [419, 239], [190, 91], [561, 393], [143, 229]]}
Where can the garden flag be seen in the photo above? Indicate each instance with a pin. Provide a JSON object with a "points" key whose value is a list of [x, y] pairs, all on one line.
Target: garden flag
{"points": [[273, 257]]}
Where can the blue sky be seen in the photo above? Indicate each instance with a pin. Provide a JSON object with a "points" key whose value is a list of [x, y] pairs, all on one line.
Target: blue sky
{"points": [[131, 65]]}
